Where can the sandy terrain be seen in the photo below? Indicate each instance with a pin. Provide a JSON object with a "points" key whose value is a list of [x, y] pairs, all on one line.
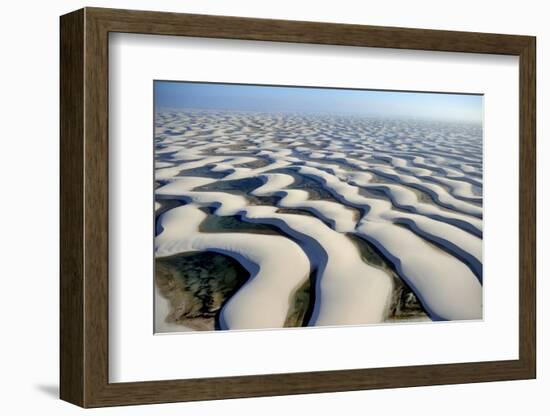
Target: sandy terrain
{"points": [[409, 193]]}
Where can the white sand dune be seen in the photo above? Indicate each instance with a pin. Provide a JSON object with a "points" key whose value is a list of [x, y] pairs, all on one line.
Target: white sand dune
{"points": [[405, 198], [349, 290], [273, 183], [438, 192], [277, 266], [447, 287], [381, 210], [413, 191]]}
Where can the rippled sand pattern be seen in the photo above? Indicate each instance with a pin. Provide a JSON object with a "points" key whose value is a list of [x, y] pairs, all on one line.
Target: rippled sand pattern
{"points": [[331, 220]]}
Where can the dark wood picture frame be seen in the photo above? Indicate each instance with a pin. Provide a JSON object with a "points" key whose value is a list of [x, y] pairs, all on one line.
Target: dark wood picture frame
{"points": [[84, 207]]}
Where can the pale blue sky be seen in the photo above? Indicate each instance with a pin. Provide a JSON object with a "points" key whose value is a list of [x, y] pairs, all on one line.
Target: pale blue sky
{"points": [[371, 103]]}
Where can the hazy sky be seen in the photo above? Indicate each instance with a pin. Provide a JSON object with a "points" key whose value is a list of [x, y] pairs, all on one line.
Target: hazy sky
{"points": [[187, 95]]}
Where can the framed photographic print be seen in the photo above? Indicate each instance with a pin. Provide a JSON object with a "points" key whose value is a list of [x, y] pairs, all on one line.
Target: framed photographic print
{"points": [[255, 207]]}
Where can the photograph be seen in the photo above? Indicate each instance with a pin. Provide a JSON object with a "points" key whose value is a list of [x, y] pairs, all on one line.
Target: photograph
{"points": [[250, 203], [299, 206]]}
